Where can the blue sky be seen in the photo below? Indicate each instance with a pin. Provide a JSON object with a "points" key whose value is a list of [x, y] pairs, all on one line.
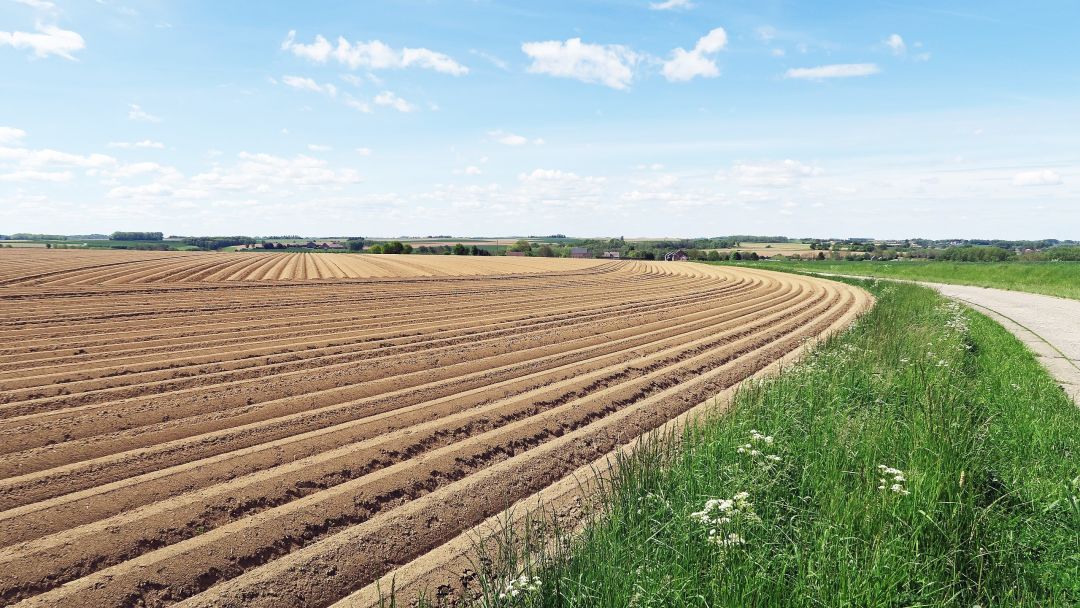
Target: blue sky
{"points": [[633, 118]]}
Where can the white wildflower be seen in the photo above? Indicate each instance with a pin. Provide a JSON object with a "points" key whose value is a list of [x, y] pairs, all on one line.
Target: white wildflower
{"points": [[893, 480], [520, 585]]}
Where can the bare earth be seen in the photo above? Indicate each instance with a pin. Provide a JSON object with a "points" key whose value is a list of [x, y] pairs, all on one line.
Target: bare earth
{"points": [[284, 430]]}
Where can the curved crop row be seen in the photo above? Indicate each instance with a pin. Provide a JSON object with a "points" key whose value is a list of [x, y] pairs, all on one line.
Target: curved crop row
{"points": [[179, 440]]}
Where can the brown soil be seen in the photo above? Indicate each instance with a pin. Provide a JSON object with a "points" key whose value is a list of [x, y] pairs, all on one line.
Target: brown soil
{"points": [[206, 429]]}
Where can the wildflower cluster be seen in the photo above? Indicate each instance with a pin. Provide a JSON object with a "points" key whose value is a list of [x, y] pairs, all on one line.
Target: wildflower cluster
{"points": [[957, 320], [755, 449], [720, 515], [893, 480], [520, 586], [651, 501]]}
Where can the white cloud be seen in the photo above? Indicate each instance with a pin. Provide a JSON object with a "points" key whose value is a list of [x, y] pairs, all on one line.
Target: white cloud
{"points": [[780, 174], [11, 135], [374, 55], [611, 65], [136, 169], [319, 147], [470, 170], [136, 113], [1044, 177], [495, 61], [668, 5], [36, 176], [686, 65], [363, 151], [896, 43], [49, 40], [766, 33], [128, 145], [357, 104], [46, 157], [387, 98], [838, 70], [259, 174], [41, 5], [513, 139], [307, 84], [777, 52]]}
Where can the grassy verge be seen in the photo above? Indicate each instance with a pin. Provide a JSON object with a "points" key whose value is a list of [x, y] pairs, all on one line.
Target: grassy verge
{"points": [[922, 458], [1050, 278]]}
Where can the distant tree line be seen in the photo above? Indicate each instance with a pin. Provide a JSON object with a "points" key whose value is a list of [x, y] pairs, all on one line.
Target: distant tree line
{"points": [[218, 242], [136, 236], [26, 236]]}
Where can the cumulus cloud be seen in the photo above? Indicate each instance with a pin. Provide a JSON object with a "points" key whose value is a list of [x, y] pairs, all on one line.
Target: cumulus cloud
{"points": [[129, 145], [837, 70], [611, 65], [668, 5], [373, 55], [1043, 177], [49, 40], [11, 135], [686, 65], [319, 147], [896, 43], [363, 151], [136, 113], [387, 98], [307, 84], [779, 174]]}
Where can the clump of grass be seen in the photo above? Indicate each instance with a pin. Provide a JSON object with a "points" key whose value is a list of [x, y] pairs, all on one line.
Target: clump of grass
{"points": [[922, 458]]}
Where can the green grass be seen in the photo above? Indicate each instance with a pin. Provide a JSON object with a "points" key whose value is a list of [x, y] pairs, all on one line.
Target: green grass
{"points": [[1050, 278], [987, 442]]}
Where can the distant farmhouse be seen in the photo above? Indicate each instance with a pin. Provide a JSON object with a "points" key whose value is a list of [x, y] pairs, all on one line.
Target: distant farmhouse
{"points": [[612, 255], [579, 252], [678, 255]]}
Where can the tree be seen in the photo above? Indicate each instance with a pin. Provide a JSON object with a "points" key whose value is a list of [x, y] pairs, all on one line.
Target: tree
{"points": [[407, 248], [522, 246], [713, 256], [375, 249], [393, 247], [821, 255], [355, 244], [460, 249], [545, 251], [735, 256]]}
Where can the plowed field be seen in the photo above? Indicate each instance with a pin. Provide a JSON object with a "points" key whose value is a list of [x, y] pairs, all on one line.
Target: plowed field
{"points": [[228, 429]]}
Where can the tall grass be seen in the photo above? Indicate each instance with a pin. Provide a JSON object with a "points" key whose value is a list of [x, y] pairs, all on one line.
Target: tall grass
{"points": [[922, 458], [1051, 278]]}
